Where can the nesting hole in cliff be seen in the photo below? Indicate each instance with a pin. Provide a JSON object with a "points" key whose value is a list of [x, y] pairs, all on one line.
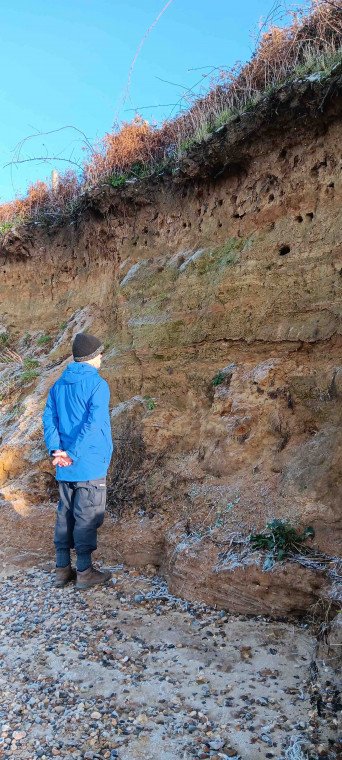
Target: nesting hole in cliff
{"points": [[284, 250], [242, 437], [299, 218], [310, 216], [219, 224], [284, 441], [319, 165], [331, 184], [283, 153], [270, 198], [310, 428], [184, 225], [220, 202]]}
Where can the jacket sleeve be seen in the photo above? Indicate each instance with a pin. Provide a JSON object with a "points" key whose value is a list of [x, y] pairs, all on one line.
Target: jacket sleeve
{"points": [[50, 422], [97, 416]]}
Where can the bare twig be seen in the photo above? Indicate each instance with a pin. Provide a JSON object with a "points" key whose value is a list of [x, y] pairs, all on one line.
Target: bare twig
{"points": [[44, 159], [136, 56], [142, 108], [174, 84], [18, 148]]}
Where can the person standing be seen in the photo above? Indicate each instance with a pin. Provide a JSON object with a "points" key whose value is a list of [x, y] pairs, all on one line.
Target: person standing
{"points": [[78, 436]]}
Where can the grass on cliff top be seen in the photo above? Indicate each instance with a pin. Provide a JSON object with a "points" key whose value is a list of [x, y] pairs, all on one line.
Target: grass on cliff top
{"points": [[309, 41]]}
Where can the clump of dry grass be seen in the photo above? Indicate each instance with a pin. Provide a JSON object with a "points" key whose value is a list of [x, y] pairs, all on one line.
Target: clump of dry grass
{"points": [[312, 40], [42, 200], [132, 147]]}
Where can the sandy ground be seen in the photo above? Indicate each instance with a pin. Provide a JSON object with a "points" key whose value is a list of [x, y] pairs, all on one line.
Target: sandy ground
{"points": [[127, 671]]}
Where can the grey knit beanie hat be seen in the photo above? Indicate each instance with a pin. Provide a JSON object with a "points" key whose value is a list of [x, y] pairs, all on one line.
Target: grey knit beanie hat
{"points": [[86, 347]]}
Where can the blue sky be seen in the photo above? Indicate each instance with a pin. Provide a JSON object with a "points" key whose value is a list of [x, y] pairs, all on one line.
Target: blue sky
{"points": [[66, 62]]}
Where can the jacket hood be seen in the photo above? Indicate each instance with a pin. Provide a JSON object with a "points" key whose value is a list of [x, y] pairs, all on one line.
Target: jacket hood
{"points": [[75, 373]]}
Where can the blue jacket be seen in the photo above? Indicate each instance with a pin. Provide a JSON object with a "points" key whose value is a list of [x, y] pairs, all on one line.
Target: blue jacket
{"points": [[76, 420]]}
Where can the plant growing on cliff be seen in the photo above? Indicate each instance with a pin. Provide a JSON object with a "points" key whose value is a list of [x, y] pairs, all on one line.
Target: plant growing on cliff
{"points": [[223, 375], [313, 62], [30, 364], [28, 376], [150, 402], [5, 339], [43, 340], [218, 379], [278, 539], [5, 226], [117, 180]]}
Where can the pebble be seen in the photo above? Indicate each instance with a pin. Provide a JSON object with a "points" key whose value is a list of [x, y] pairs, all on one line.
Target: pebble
{"points": [[217, 744], [266, 739], [18, 735]]}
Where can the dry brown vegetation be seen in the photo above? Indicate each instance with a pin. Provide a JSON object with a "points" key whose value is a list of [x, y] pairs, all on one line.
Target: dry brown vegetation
{"points": [[311, 41], [131, 472]]}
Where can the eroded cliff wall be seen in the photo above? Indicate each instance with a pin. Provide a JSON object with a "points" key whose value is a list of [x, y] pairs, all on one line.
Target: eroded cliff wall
{"points": [[217, 286]]}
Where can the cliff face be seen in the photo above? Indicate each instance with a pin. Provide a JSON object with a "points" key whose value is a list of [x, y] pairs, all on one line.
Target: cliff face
{"points": [[218, 288]]}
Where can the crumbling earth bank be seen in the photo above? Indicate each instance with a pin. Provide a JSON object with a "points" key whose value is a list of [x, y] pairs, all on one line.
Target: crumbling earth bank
{"points": [[217, 288]]}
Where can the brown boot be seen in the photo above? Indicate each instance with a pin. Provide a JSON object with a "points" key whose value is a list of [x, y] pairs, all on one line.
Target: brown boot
{"points": [[91, 577], [64, 575]]}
